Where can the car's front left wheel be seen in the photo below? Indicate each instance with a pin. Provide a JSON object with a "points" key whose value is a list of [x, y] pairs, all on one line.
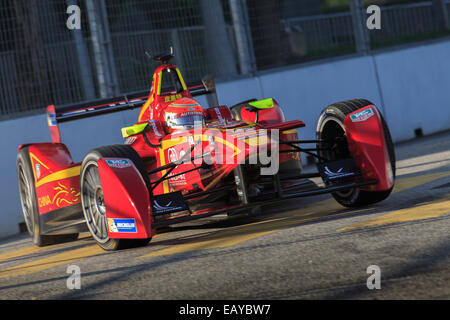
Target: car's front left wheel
{"points": [[331, 127], [92, 199]]}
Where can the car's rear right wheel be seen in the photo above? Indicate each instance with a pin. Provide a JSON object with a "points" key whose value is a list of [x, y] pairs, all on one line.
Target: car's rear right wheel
{"points": [[29, 204]]}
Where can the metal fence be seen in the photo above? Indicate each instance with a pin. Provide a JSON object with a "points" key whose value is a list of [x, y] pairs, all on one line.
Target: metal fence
{"points": [[406, 23], [43, 62]]}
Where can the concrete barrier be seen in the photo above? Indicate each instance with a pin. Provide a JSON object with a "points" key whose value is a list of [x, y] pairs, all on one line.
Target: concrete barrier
{"points": [[410, 86], [415, 84]]}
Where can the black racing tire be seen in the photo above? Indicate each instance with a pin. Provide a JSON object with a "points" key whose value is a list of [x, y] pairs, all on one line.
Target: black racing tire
{"points": [[28, 201], [331, 125], [90, 180]]}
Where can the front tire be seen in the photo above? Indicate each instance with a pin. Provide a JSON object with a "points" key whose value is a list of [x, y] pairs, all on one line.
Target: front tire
{"points": [[92, 200], [330, 126]]}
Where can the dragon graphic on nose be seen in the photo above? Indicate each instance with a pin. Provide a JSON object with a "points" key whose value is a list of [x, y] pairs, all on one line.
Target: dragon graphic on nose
{"points": [[65, 195]]}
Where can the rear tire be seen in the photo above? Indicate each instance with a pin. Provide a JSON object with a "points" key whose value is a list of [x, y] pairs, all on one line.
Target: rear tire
{"points": [[94, 209], [29, 205], [331, 125]]}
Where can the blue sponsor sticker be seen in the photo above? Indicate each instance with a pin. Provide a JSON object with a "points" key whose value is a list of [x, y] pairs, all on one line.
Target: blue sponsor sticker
{"points": [[362, 115], [122, 225], [118, 163], [51, 118]]}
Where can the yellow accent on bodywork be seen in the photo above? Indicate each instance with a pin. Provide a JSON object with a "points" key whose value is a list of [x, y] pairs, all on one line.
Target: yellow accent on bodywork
{"points": [[228, 144], [131, 131], [158, 90], [145, 107], [166, 144], [33, 157], [257, 141], [262, 104], [289, 131], [162, 162], [63, 174], [181, 80]]}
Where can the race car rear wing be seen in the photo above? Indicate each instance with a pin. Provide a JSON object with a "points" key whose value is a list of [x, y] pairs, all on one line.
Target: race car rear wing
{"points": [[88, 109], [56, 115], [97, 107]]}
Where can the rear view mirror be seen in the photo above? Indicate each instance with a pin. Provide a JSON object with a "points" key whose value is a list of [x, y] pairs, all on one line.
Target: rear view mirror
{"points": [[209, 83]]}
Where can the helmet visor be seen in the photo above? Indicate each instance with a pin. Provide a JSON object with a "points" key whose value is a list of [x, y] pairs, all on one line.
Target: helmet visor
{"points": [[175, 121]]}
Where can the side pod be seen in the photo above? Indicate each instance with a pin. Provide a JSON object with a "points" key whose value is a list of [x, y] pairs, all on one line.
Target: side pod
{"points": [[126, 199], [367, 144]]}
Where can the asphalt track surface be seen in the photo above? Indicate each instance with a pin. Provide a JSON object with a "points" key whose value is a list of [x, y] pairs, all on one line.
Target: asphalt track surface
{"points": [[308, 248]]}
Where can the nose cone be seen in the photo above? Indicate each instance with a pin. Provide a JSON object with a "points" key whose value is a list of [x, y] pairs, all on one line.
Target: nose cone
{"points": [[215, 152], [235, 147], [229, 149]]}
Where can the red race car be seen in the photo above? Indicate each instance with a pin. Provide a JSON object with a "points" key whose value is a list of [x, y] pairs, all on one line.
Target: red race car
{"points": [[182, 162]]}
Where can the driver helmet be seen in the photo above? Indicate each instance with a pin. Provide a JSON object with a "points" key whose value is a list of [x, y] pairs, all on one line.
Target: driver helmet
{"points": [[183, 113]]}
